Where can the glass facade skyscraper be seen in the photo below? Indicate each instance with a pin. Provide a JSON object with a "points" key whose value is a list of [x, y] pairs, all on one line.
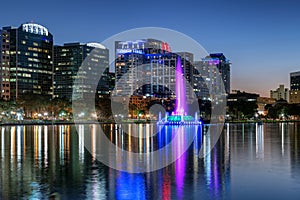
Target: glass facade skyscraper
{"points": [[26, 61], [67, 61]]}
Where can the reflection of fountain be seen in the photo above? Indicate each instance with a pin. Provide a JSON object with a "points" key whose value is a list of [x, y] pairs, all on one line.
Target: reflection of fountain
{"points": [[179, 116]]}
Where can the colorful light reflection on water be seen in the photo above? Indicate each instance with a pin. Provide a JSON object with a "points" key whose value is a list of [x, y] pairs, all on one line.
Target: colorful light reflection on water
{"points": [[38, 160]]}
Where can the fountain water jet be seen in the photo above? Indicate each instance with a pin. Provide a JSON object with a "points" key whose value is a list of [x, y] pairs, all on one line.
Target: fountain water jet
{"points": [[181, 108], [179, 116]]}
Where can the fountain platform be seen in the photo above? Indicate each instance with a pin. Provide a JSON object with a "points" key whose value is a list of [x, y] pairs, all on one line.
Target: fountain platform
{"points": [[180, 120]]}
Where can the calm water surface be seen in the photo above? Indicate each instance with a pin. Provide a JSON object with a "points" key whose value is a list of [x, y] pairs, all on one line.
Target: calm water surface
{"points": [[249, 161]]}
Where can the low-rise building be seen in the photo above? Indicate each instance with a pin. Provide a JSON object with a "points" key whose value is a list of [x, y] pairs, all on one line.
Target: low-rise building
{"points": [[261, 104], [280, 93]]}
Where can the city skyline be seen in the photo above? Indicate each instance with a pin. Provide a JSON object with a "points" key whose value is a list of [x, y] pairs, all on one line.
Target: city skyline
{"points": [[258, 38], [28, 50]]}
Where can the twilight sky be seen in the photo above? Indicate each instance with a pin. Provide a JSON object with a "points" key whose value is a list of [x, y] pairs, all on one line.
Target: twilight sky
{"points": [[261, 38]]}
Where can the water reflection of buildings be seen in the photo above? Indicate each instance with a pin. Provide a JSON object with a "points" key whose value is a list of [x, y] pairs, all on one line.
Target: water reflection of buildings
{"points": [[217, 165], [37, 160], [43, 159], [265, 155], [294, 141], [250, 138], [189, 176]]}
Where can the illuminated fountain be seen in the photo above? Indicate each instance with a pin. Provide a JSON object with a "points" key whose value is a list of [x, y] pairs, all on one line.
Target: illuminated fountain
{"points": [[179, 116]]}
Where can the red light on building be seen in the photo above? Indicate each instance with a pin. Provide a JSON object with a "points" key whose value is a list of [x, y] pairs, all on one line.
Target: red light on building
{"points": [[165, 47]]}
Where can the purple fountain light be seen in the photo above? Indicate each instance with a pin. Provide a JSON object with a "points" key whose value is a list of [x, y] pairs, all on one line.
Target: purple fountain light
{"points": [[179, 116], [180, 90]]}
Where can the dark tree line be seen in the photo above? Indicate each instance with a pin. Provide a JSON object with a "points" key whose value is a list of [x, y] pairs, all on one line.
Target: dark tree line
{"points": [[242, 109], [282, 110]]}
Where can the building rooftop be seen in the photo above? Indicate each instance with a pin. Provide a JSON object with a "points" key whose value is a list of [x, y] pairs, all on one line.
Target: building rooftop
{"points": [[295, 73], [35, 28]]}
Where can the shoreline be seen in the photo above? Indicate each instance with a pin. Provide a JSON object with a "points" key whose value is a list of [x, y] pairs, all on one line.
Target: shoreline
{"points": [[48, 122]]}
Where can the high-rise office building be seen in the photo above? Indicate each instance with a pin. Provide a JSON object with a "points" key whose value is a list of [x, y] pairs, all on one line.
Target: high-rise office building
{"points": [[67, 61], [147, 67], [134, 69], [26, 61], [148, 46], [295, 87], [222, 64], [130, 63], [280, 93], [136, 65], [208, 80], [162, 73], [202, 80]]}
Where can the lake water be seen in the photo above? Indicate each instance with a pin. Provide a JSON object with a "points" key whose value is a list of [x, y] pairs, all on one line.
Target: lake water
{"points": [[249, 161]]}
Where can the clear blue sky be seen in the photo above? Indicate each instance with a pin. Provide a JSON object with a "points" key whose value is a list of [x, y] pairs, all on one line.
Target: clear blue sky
{"points": [[261, 38]]}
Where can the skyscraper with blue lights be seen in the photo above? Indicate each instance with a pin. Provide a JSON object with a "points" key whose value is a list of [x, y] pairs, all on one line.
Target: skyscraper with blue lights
{"points": [[146, 67]]}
